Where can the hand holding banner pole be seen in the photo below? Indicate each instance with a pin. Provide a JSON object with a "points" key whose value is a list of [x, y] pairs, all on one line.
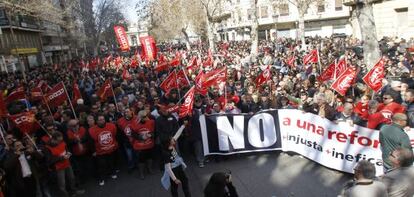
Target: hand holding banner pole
{"points": [[179, 132]]}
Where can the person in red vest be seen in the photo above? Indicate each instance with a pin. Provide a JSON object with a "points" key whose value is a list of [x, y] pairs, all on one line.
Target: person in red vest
{"points": [[106, 145], [58, 157], [124, 124], [390, 107], [78, 144], [143, 142]]}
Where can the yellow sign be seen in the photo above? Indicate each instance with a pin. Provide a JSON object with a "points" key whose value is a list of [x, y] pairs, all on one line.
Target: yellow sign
{"points": [[24, 51]]}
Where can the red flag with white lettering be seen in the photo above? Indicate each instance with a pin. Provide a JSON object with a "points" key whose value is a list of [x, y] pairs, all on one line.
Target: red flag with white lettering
{"points": [[192, 63], [341, 66], [56, 96], [209, 60], [312, 57], [17, 94], [215, 77], [105, 91], [187, 107], [76, 92], [169, 83], [149, 48], [375, 76], [25, 121], [263, 77], [121, 37], [199, 84], [343, 82], [182, 79], [161, 66], [328, 73], [175, 62]]}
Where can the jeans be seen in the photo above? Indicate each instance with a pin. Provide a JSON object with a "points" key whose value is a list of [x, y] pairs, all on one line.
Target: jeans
{"points": [[62, 176], [131, 158]]}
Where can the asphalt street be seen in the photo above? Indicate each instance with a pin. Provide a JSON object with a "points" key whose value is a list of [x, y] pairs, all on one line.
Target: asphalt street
{"points": [[254, 175]]}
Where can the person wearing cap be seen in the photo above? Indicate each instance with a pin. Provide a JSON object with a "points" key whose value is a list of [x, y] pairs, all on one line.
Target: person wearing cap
{"points": [[78, 144], [194, 136], [166, 124], [142, 139]]}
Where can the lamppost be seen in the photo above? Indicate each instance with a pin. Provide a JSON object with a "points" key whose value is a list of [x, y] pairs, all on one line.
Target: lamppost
{"points": [[275, 20]]}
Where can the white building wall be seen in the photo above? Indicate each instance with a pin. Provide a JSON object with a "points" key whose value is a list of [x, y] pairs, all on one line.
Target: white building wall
{"points": [[390, 20]]}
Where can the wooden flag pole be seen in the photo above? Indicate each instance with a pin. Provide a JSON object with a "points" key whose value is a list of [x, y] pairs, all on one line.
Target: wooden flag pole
{"points": [[113, 94], [47, 104], [319, 61], [70, 102], [176, 82]]}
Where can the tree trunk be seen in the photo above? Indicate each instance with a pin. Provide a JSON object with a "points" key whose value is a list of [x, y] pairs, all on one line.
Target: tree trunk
{"points": [[366, 21], [253, 33], [210, 35], [301, 30], [186, 38]]}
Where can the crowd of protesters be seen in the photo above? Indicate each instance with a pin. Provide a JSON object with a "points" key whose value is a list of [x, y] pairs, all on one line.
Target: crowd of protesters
{"points": [[72, 144]]}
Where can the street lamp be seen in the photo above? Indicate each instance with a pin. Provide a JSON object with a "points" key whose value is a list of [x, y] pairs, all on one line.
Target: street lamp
{"points": [[275, 20]]}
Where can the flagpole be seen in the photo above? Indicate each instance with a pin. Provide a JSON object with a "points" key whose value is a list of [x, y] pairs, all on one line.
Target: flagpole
{"points": [[336, 64], [176, 82], [41, 126], [31, 140], [186, 77], [47, 104], [319, 61], [70, 102], [2, 135], [113, 94]]}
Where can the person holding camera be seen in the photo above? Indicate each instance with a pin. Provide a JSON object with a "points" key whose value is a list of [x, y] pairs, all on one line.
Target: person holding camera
{"points": [[220, 185]]}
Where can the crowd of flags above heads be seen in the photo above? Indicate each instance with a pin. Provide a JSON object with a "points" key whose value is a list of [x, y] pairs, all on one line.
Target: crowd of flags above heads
{"points": [[339, 72]]}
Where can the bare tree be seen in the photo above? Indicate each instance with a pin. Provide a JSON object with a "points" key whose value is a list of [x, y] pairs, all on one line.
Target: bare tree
{"points": [[214, 11], [302, 7], [106, 13], [254, 31], [363, 13]]}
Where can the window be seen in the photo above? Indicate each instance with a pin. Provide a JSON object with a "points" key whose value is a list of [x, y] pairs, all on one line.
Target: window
{"points": [[263, 12], [321, 8], [284, 9], [249, 14], [338, 5]]}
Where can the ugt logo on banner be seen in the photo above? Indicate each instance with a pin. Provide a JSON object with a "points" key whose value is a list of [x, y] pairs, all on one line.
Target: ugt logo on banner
{"points": [[122, 38]]}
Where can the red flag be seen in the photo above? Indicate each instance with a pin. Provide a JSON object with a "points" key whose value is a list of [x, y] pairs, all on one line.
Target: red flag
{"points": [[328, 73], [192, 63], [126, 75], [105, 91], [161, 66], [199, 84], [175, 62], [169, 83], [76, 92], [312, 57], [134, 63], [341, 66], [375, 76], [17, 94], [122, 38], [187, 107], [343, 82], [209, 60], [43, 86], [182, 79], [263, 77], [215, 77], [56, 96], [291, 61], [3, 107], [161, 58], [36, 94], [25, 121], [149, 48]]}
